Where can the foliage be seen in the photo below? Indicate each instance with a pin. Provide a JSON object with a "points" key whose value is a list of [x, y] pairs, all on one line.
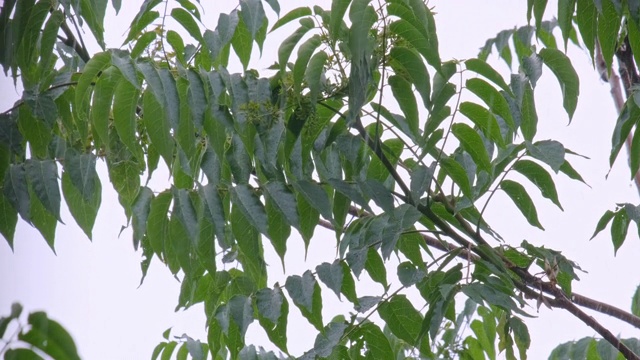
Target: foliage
{"points": [[317, 141], [40, 336]]}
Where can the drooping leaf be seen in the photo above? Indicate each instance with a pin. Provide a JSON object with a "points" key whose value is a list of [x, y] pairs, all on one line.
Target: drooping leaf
{"points": [[331, 275], [403, 93], [472, 143], [273, 310], [484, 119], [43, 177], [84, 210], [253, 15], [338, 9], [550, 152], [140, 214], [50, 337], [402, 318], [619, 228], [457, 174], [519, 196], [482, 68], [327, 340], [561, 66], [540, 178], [290, 16], [185, 19], [408, 64], [248, 202], [305, 293], [496, 102]]}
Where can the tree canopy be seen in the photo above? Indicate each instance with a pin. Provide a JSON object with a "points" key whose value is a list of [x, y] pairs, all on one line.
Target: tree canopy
{"points": [[359, 128]]}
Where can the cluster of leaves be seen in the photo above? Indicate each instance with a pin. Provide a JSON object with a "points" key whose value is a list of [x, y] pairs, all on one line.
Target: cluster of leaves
{"points": [[252, 157], [40, 335]]}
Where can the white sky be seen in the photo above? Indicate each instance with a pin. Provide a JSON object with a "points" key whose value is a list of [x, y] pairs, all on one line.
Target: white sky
{"points": [[92, 287]]}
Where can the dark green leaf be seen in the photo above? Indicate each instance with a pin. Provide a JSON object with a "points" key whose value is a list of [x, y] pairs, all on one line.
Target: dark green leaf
{"points": [[125, 101], [402, 318], [472, 143], [519, 196], [273, 310], [586, 19], [285, 49], [50, 337], [635, 302], [314, 74], [331, 275], [316, 196], [561, 66], [43, 177], [251, 252], [550, 152], [253, 15], [484, 119], [496, 102], [540, 178], [338, 9], [457, 174], [185, 19], [248, 202], [158, 222], [482, 68], [8, 220], [403, 94], [408, 64], [83, 210], [619, 228], [305, 293], [529, 123], [140, 213], [290, 16], [82, 173], [97, 63], [327, 340], [375, 267], [566, 9], [16, 191], [242, 43]]}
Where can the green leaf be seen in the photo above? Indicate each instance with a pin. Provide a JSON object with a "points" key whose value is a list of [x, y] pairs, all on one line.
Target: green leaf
{"points": [[484, 119], [141, 21], [279, 229], [213, 208], [568, 170], [403, 94], [21, 354], [305, 293], [521, 336], [83, 210], [540, 178], [472, 143], [122, 61], [408, 64], [8, 220], [619, 228], [81, 169], [529, 122], [16, 191], [338, 9], [184, 18], [247, 201], [241, 311], [331, 275], [158, 128], [316, 196], [292, 15], [550, 152], [305, 51], [634, 153], [50, 337], [140, 214], [375, 267], [402, 318], [251, 252], [273, 311], [377, 343], [143, 43], [603, 222], [561, 66], [158, 223], [635, 302], [98, 63], [102, 100], [482, 68], [566, 8], [284, 200], [496, 102], [252, 13], [458, 174], [125, 101], [242, 43], [285, 49], [329, 338], [629, 116], [314, 74], [43, 177], [608, 29], [586, 19], [519, 196]]}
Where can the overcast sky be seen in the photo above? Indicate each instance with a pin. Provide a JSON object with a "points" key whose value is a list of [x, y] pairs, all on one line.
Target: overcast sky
{"points": [[92, 287]]}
